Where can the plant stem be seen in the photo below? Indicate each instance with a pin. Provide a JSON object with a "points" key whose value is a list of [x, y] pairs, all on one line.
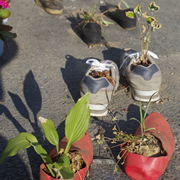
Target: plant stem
{"points": [[141, 117], [67, 148], [142, 48], [119, 5], [149, 39], [125, 4]]}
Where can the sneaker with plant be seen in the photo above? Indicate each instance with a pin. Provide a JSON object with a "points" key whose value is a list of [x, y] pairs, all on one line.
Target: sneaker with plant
{"points": [[101, 81], [51, 6], [144, 81]]}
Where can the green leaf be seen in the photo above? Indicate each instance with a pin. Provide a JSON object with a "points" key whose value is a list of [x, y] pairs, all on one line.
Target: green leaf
{"points": [[115, 169], [44, 155], [92, 13], [106, 22], [153, 7], [16, 144], [86, 15], [135, 120], [151, 20], [138, 9], [67, 173], [63, 161], [4, 13], [62, 167], [125, 4], [130, 14], [50, 131], [77, 121], [8, 34]]}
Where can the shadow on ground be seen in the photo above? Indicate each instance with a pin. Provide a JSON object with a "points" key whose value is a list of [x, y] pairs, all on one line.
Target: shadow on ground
{"points": [[72, 74], [8, 55], [129, 127], [33, 99]]}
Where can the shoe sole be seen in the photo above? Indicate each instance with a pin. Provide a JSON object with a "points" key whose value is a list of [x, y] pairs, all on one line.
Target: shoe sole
{"points": [[144, 96], [50, 11], [98, 113], [130, 28]]}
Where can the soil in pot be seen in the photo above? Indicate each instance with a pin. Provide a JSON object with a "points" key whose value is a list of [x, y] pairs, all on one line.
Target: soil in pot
{"points": [[76, 162], [148, 146], [140, 167]]}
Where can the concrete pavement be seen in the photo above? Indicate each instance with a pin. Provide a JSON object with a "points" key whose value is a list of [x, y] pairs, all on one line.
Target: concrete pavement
{"points": [[40, 74]]}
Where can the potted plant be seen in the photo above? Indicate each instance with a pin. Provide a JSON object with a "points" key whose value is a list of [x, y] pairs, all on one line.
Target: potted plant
{"points": [[139, 68], [146, 153], [4, 29], [90, 27], [124, 17], [57, 164]]}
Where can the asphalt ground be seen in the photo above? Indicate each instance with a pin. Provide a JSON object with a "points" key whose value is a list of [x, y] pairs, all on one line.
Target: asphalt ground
{"points": [[40, 73]]}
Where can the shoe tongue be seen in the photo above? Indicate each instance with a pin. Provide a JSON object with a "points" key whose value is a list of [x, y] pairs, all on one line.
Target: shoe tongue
{"points": [[102, 68], [98, 65]]}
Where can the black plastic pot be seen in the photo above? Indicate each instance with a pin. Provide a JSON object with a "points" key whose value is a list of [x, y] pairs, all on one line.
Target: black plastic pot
{"points": [[91, 33], [119, 16]]}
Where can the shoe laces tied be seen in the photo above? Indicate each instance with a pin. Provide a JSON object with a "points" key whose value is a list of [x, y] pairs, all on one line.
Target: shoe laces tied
{"points": [[99, 66], [136, 56]]}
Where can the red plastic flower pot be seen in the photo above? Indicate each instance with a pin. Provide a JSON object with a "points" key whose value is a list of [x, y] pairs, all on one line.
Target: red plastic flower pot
{"points": [[140, 167], [85, 148]]}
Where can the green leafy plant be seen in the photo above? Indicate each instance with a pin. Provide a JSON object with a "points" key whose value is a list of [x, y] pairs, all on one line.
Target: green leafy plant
{"points": [[145, 31], [76, 125], [133, 143], [4, 14], [94, 17]]}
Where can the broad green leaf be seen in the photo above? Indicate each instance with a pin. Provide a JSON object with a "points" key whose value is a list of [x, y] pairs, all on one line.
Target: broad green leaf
{"points": [[63, 161], [16, 144], [67, 173], [8, 34], [77, 121], [106, 22], [44, 155], [62, 167], [50, 131], [4, 13], [130, 14]]}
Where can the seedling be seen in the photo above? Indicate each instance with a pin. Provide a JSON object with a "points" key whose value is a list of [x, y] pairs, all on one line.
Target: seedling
{"points": [[146, 29], [76, 125]]}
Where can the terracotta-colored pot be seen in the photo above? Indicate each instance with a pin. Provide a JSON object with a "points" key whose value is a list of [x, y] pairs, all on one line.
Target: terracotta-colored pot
{"points": [[85, 148], [140, 167]]}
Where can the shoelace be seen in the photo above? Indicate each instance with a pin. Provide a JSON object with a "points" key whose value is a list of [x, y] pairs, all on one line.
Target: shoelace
{"points": [[99, 66], [136, 56]]}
